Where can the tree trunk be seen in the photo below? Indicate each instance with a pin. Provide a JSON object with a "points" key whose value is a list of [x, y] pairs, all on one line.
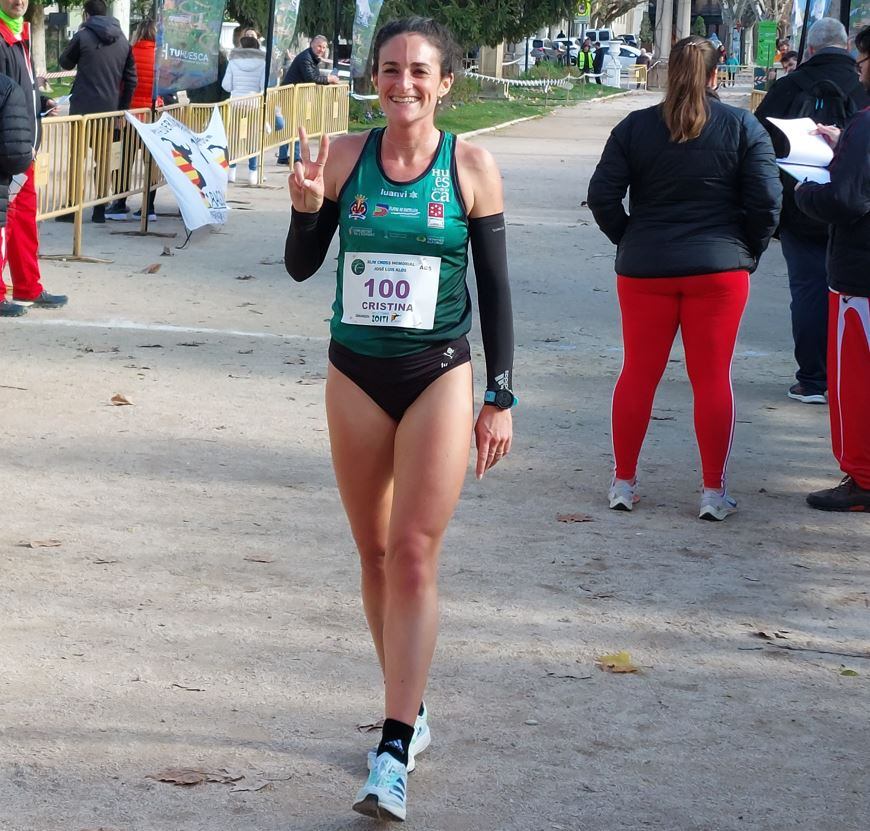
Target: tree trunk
{"points": [[37, 36]]}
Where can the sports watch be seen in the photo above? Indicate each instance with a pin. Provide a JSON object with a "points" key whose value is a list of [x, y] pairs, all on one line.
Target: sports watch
{"points": [[504, 399]]}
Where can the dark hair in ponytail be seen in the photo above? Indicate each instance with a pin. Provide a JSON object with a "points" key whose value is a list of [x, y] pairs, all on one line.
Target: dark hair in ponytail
{"points": [[685, 108]]}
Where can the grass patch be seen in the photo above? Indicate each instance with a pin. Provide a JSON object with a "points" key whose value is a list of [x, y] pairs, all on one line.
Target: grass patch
{"points": [[469, 110], [61, 86]]}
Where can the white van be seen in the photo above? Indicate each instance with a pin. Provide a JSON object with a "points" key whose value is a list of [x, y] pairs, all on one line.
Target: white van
{"points": [[602, 36]]}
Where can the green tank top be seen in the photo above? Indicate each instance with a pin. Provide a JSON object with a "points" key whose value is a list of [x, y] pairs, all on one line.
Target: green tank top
{"points": [[403, 257]]}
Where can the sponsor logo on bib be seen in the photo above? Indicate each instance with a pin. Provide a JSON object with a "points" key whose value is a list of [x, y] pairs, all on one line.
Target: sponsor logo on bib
{"points": [[381, 209]]}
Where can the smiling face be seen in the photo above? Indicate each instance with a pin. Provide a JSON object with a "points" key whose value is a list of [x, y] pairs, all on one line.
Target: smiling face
{"points": [[408, 78], [14, 8]]}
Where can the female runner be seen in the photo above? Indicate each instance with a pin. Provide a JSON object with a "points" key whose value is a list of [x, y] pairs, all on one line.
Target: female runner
{"points": [[406, 199]]}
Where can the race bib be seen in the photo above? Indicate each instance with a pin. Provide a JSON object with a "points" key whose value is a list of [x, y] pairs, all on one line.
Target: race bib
{"points": [[390, 290]]}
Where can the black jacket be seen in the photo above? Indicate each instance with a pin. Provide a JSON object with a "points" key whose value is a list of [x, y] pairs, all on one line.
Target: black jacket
{"points": [[304, 69], [106, 74], [17, 64], [830, 64], [598, 60], [700, 207], [16, 138], [845, 204]]}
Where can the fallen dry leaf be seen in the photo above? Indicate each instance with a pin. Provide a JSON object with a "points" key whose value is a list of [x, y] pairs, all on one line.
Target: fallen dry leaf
{"points": [[257, 559], [619, 662], [574, 518], [120, 400], [370, 726], [40, 543], [189, 689], [151, 269], [246, 277]]}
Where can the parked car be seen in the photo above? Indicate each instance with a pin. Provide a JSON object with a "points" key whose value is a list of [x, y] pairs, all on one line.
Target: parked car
{"points": [[540, 48], [630, 40], [627, 55], [572, 45]]}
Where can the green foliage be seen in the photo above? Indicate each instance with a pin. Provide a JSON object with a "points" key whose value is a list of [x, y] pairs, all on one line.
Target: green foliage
{"points": [[646, 33], [699, 27], [473, 22], [253, 13]]}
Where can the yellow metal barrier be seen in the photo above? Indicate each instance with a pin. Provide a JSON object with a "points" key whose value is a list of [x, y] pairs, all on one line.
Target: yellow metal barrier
{"points": [[336, 108], [636, 75], [755, 98], [279, 115], [308, 108], [91, 160], [57, 167]]}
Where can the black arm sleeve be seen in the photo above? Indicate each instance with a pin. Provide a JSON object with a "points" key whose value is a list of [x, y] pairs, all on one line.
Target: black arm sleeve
{"points": [[308, 240], [489, 249]]}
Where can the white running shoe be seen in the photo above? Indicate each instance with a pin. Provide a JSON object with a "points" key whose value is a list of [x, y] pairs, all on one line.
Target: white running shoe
{"points": [[716, 505], [252, 177], [421, 739], [383, 795], [623, 494]]}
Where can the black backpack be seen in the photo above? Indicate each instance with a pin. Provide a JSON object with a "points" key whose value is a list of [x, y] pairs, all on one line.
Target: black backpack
{"points": [[823, 101]]}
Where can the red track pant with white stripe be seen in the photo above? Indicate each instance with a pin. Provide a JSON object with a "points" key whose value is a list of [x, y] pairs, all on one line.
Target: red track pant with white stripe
{"points": [[849, 384], [706, 308], [19, 243]]}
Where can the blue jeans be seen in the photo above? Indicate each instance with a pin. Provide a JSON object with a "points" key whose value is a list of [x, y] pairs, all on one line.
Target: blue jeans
{"points": [[284, 153], [808, 283]]}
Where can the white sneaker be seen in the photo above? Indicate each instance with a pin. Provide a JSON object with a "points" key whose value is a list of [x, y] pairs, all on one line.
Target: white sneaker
{"points": [[623, 494], [231, 175], [421, 739], [383, 795], [252, 177], [716, 505]]}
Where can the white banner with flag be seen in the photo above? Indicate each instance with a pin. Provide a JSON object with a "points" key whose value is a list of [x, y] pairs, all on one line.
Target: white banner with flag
{"points": [[195, 166]]}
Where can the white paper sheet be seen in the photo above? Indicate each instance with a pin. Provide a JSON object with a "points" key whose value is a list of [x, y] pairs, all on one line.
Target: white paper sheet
{"points": [[804, 148], [805, 172]]}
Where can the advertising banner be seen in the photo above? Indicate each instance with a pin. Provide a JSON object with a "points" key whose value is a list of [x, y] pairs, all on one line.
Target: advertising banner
{"points": [[286, 15], [365, 22], [766, 42], [188, 39], [195, 166]]}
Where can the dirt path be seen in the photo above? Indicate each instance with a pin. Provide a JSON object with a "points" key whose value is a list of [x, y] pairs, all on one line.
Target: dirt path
{"points": [[202, 608]]}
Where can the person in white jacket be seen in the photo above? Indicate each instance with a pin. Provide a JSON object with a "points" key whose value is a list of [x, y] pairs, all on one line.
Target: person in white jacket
{"points": [[245, 74]]}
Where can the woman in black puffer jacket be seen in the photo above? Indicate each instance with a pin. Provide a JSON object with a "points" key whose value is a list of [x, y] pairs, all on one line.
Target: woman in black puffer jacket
{"points": [[16, 138], [704, 200]]}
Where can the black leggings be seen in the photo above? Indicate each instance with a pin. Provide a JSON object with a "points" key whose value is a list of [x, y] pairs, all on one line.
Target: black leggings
{"points": [[394, 384]]}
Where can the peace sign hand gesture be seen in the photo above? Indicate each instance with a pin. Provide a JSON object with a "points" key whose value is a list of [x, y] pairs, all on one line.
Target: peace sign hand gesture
{"points": [[306, 180]]}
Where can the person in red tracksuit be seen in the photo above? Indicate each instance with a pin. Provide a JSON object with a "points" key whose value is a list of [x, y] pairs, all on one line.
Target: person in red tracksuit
{"points": [[19, 241], [705, 198], [844, 203]]}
